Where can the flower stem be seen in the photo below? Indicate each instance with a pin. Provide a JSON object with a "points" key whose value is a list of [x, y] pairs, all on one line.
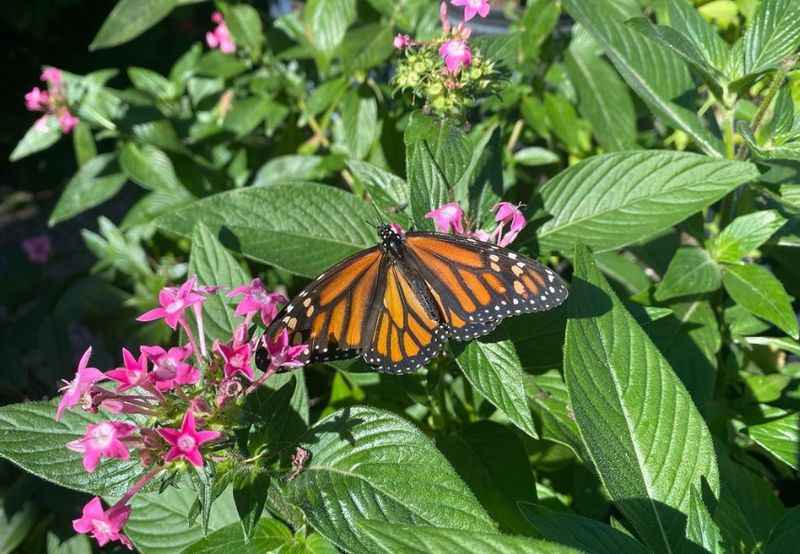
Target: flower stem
{"points": [[271, 370]]}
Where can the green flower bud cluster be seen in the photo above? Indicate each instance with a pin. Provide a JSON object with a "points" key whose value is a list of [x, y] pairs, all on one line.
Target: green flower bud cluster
{"points": [[422, 74]]}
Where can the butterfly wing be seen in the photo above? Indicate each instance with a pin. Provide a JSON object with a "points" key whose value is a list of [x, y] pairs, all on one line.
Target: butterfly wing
{"points": [[408, 331], [476, 284], [332, 313]]}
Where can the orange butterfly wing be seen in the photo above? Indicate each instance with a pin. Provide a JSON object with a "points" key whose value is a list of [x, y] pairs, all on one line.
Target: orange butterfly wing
{"points": [[477, 284]]}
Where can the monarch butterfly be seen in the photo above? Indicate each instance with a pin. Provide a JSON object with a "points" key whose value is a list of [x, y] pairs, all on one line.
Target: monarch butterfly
{"points": [[395, 304]]}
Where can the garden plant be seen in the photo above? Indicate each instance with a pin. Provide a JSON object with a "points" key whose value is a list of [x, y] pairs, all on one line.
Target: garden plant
{"points": [[647, 152]]}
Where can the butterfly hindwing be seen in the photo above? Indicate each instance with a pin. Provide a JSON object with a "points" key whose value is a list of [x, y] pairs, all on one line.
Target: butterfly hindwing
{"points": [[477, 284]]}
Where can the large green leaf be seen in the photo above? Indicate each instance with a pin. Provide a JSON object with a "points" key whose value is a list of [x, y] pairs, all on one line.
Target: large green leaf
{"points": [[657, 75], [549, 400], [684, 17], [215, 266], [785, 536], [388, 191], [94, 183], [326, 22], [701, 528], [757, 290], [245, 25], [745, 234], [31, 438], [129, 19], [495, 371], [691, 271], [437, 155], [780, 437], [581, 533], [269, 535], [159, 521], [292, 167], [151, 168], [16, 521], [646, 438], [772, 36], [417, 539], [617, 199], [367, 463], [358, 128], [604, 99], [301, 227], [492, 460]]}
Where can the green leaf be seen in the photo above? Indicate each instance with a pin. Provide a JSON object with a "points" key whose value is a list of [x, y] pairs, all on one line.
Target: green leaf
{"points": [[417, 539], [303, 228], [773, 35], [534, 156], [388, 191], [269, 535], [151, 168], [371, 463], [494, 370], [244, 23], [685, 18], [619, 385], [217, 64], [437, 155], [701, 528], [481, 185], [491, 459], [785, 535], [549, 400], [93, 184], [564, 122], [691, 271], [129, 19], [758, 291], [366, 47], [613, 200], [215, 266], [159, 521], [744, 234], [77, 544], [247, 114], [16, 522], [604, 99], [31, 438], [326, 21], [292, 167], [37, 139], [152, 83], [581, 533], [657, 75], [83, 143], [358, 128], [765, 388], [780, 437]]}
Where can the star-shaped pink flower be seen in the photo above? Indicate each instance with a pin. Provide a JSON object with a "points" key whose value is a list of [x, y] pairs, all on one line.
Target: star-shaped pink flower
{"points": [[52, 76], [473, 8], [511, 220], [220, 37], [170, 368], [37, 100], [67, 121], [84, 378], [185, 442], [257, 299], [102, 440], [174, 302], [132, 374], [456, 54], [447, 217], [236, 355], [104, 526], [283, 355]]}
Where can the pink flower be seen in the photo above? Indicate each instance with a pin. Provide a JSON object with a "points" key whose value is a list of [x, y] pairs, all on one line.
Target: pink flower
{"points": [[220, 37], [186, 441], [132, 374], [52, 76], [67, 121], [174, 302], [508, 214], [481, 235], [456, 54], [169, 367], [37, 100], [283, 355], [104, 526], [236, 355], [402, 41], [257, 299], [102, 440], [398, 229], [447, 217], [473, 7], [37, 249], [84, 378]]}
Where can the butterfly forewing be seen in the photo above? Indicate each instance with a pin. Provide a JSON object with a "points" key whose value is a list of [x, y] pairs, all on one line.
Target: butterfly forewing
{"points": [[476, 284]]}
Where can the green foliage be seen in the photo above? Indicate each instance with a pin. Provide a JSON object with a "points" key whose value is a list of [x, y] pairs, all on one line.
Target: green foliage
{"points": [[653, 146]]}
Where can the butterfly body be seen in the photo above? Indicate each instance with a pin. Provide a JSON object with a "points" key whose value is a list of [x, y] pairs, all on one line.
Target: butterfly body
{"points": [[397, 303]]}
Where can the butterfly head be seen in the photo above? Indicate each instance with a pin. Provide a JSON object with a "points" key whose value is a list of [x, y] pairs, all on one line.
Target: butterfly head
{"points": [[391, 239]]}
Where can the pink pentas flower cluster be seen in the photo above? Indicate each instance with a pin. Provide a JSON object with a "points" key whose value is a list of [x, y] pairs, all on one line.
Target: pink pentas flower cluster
{"points": [[220, 37], [509, 222], [184, 392], [52, 102]]}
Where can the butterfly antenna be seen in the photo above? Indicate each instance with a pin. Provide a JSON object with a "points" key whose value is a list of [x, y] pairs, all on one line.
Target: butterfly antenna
{"points": [[378, 213]]}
